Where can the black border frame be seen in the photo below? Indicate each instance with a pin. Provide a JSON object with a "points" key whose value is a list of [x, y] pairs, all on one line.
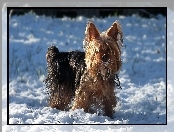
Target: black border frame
{"points": [[8, 12]]}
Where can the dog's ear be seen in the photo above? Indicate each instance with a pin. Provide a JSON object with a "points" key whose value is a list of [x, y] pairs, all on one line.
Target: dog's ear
{"points": [[115, 31], [91, 32]]}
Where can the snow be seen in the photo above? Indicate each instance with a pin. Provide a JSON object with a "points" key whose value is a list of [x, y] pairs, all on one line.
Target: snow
{"points": [[142, 99]]}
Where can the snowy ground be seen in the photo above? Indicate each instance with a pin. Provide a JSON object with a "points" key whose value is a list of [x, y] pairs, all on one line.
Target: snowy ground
{"points": [[143, 75]]}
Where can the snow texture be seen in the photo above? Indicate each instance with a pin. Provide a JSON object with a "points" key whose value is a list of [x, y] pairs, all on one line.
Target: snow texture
{"points": [[142, 99]]}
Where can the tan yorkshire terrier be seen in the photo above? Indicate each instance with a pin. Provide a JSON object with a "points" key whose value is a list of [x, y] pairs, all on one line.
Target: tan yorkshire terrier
{"points": [[86, 80]]}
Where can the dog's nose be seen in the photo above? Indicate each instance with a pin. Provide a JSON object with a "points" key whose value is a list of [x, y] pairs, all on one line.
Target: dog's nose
{"points": [[104, 58]]}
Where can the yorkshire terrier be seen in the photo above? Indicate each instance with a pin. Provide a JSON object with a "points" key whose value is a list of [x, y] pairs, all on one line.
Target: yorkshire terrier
{"points": [[86, 80]]}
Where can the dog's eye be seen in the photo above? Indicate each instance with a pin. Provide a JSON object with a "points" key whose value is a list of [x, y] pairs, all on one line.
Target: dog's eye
{"points": [[104, 58], [107, 50]]}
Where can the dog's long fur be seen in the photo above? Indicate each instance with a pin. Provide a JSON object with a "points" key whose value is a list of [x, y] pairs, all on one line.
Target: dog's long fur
{"points": [[86, 79]]}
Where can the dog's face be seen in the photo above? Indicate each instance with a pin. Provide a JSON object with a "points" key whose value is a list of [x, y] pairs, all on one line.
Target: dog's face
{"points": [[103, 51]]}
